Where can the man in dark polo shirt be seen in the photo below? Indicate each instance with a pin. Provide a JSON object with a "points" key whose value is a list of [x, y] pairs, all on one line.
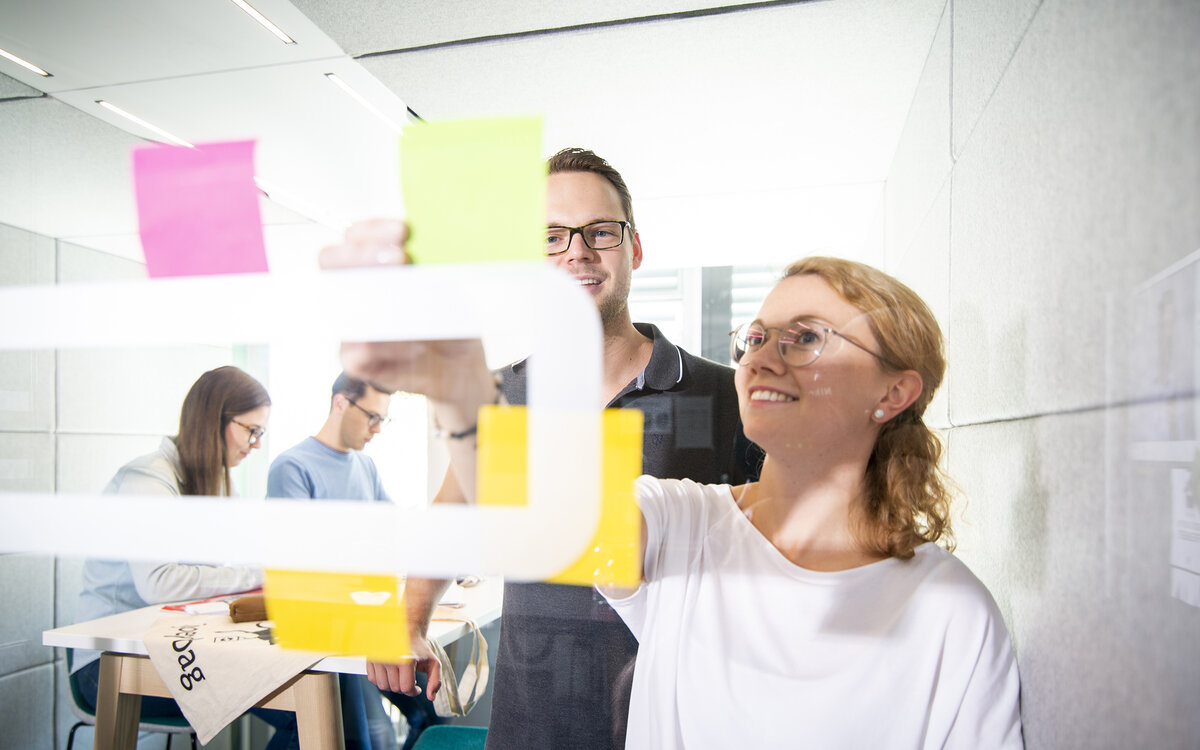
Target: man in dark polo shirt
{"points": [[565, 658]]}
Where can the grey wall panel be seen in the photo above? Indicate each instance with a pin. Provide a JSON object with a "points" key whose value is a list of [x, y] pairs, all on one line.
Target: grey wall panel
{"points": [[26, 377], [27, 390], [26, 705], [28, 585], [925, 267], [68, 581], [1074, 539], [87, 462], [26, 462], [922, 163], [121, 375], [1081, 180], [986, 36]]}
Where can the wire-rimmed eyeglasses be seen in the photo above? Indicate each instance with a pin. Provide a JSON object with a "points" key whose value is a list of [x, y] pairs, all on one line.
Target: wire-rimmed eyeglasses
{"points": [[599, 235], [256, 433], [373, 419], [799, 345]]}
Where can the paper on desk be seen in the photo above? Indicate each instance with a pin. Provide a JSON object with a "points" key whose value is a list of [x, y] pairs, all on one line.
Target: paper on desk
{"points": [[216, 669], [198, 209], [474, 190]]}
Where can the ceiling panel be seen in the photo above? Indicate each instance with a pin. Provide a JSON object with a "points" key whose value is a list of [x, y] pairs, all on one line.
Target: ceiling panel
{"points": [[364, 26], [332, 159], [774, 124], [64, 172], [774, 98], [85, 44], [11, 87]]}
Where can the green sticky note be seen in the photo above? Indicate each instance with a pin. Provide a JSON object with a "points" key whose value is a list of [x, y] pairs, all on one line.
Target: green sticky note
{"points": [[474, 190]]}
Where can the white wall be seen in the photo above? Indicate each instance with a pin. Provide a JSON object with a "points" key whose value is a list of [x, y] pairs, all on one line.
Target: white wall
{"points": [[1049, 166]]}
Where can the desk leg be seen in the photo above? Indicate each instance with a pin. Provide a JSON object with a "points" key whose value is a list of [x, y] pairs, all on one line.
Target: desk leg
{"points": [[116, 713], [319, 711]]}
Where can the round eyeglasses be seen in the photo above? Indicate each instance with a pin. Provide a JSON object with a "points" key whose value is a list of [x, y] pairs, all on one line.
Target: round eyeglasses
{"points": [[373, 419], [256, 433], [599, 235], [799, 345]]}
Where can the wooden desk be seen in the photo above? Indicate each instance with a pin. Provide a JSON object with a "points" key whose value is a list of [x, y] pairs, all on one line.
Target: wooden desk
{"points": [[126, 673]]}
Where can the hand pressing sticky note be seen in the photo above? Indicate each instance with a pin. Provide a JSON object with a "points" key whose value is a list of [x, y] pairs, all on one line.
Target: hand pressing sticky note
{"points": [[474, 190], [338, 613], [198, 209]]}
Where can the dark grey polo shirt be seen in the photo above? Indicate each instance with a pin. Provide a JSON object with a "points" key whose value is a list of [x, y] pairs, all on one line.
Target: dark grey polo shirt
{"points": [[564, 661]]}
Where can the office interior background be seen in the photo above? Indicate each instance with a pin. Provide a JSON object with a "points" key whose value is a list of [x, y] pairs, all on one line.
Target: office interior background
{"points": [[1031, 167]]}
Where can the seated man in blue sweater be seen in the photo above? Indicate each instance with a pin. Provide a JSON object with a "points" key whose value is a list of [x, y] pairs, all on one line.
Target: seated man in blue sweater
{"points": [[332, 466]]}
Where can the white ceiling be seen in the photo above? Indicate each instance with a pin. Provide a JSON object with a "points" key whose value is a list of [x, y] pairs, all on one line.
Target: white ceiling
{"points": [[757, 133]]}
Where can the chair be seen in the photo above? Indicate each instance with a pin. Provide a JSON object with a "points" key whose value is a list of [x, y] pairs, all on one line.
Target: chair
{"points": [[87, 716], [448, 737]]}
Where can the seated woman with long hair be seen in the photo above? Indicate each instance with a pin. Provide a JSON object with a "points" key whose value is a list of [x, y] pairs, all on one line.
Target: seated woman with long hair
{"points": [[817, 607], [223, 418]]}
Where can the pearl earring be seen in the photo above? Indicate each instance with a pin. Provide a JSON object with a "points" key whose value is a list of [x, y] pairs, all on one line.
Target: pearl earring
{"points": [[879, 413]]}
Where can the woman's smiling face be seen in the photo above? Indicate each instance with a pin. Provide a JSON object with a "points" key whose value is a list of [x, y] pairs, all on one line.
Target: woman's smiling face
{"points": [[827, 401]]}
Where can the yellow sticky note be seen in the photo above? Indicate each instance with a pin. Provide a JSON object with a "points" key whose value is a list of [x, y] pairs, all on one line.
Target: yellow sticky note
{"points": [[501, 462], [474, 190], [612, 556], [338, 613]]}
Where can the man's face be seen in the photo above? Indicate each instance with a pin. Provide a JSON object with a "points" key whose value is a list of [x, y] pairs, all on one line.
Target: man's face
{"points": [[575, 199], [356, 429]]}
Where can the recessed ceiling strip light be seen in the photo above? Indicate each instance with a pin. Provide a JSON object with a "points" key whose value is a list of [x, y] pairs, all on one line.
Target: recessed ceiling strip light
{"points": [[264, 22], [24, 63], [363, 101], [152, 128]]}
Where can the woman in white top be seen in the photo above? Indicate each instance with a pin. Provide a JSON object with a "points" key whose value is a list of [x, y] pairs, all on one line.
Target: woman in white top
{"points": [[223, 418], [813, 608]]}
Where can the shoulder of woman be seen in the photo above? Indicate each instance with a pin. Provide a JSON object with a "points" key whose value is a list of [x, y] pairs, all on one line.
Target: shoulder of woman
{"points": [[149, 471], [950, 583]]}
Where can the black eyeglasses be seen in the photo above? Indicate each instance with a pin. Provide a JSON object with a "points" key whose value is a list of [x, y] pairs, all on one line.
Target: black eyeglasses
{"points": [[256, 433], [799, 345], [373, 419], [599, 235]]}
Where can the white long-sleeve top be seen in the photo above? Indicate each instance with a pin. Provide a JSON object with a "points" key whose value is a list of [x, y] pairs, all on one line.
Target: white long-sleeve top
{"points": [[114, 586], [739, 647]]}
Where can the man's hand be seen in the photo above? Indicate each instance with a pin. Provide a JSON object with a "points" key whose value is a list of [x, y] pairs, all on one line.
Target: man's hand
{"points": [[451, 373], [402, 678], [376, 242]]}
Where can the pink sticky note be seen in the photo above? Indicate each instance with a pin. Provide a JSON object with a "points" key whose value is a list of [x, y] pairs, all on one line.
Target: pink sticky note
{"points": [[198, 209]]}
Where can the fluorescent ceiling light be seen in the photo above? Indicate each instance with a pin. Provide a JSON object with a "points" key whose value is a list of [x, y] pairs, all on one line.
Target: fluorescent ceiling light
{"points": [[262, 20], [363, 101], [152, 128], [24, 63]]}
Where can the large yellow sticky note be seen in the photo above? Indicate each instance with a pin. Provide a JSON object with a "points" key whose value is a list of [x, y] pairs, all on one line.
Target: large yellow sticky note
{"points": [[474, 190], [338, 613], [612, 556]]}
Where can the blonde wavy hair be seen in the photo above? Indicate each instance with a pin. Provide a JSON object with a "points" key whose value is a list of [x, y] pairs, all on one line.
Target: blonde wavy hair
{"points": [[908, 496]]}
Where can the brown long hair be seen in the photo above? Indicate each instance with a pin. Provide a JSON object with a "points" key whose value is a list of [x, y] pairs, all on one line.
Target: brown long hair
{"points": [[214, 399], [907, 494]]}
